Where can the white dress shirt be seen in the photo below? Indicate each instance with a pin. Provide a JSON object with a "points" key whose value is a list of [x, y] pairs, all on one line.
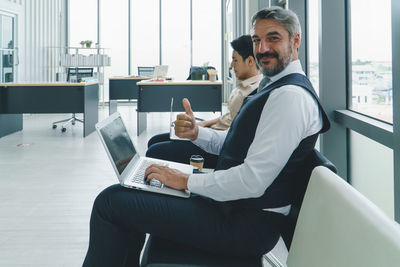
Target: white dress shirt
{"points": [[290, 115]]}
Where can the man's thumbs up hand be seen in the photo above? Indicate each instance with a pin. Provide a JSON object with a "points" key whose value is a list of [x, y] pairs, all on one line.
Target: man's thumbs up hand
{"points": [[185, 124], [188, 108]]}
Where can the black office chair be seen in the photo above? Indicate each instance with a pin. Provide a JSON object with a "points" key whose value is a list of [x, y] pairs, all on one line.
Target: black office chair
{"points": [[197, 73], [76, 75], [145, 71], [160, 252]]}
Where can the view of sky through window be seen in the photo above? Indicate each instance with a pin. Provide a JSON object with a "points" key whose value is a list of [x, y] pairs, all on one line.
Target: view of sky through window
{"points": [[371, 55]]}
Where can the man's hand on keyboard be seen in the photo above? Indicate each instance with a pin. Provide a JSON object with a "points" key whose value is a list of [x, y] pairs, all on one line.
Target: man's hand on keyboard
{"points": [[170, 177]]}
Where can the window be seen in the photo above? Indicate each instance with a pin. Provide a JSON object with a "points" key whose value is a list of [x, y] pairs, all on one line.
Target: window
{"points": [[175, 37], [114, 36], [145, 23], [82, 21], [229, 85], [313, 48], [146, 49], [371, 78], [207, 33]]}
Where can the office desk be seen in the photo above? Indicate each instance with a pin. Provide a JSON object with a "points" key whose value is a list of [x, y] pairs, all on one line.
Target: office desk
{"points": [[156, 97], [18, 98], [122, 88]]}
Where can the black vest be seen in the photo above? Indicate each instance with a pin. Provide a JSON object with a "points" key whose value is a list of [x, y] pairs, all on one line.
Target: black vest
{"points": [[282, 191]]}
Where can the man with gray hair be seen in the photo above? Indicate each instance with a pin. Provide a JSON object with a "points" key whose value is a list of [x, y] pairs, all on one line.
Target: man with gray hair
{"points": [[239, 208]]}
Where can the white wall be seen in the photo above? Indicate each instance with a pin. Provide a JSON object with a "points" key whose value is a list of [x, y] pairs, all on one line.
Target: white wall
{"points": [[371, 171], [40, 29]]}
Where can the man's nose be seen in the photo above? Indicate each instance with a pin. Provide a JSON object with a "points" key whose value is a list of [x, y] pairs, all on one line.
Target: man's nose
{"points": [[232, 64], [263, 47]]}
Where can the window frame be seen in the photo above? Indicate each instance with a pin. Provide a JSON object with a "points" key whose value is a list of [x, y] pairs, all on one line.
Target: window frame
{"points": [[335, 79]]}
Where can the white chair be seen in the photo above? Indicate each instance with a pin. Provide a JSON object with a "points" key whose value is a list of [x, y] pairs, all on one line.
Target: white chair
{"points": [[338, 226], [161, 252]]}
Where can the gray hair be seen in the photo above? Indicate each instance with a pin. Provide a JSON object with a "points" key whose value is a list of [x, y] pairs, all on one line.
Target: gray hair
{"points": [[286, 17]]}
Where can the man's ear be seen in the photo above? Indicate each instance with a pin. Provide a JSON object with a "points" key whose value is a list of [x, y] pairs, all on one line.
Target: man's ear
{"points": [[296, 41], [251, 61]]}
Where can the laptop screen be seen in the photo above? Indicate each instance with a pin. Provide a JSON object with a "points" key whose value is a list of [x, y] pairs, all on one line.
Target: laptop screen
{"points": [[119, 143]]}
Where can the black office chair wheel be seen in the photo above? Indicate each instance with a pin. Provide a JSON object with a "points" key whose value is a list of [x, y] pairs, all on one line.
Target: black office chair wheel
{"points": [[63, 130], [54, 126]]}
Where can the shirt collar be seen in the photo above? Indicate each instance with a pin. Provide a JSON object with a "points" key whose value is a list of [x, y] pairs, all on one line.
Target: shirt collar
{"points": [[251, 80], [292, 67]]}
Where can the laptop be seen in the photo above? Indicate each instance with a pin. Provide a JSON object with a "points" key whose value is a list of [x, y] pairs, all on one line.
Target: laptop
{"points": [[128, 164], [160, 71]]}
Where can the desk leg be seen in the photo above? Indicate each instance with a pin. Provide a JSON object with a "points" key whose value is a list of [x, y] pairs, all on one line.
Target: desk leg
{"points": [[141, 122], [91, 110], [112, 107], [10, 123]]}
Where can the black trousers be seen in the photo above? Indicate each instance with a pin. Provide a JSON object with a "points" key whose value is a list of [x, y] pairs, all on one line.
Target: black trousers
{"points": [[162, 147], [121, 217]]}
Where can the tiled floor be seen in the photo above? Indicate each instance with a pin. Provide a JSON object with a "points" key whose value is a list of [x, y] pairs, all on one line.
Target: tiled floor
{"points": [[48, 181]]}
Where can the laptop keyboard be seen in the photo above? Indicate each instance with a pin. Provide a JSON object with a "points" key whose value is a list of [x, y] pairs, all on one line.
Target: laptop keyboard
{"points": [[139, 175]]}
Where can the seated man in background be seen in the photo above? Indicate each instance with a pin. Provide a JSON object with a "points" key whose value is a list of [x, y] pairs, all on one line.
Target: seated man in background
{"points": [[248, 78], [240, 208]]}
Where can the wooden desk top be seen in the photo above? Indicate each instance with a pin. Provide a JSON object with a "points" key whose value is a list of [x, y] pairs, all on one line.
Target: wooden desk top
{"points": [[186, 82], [128, 78], [47, 84]]}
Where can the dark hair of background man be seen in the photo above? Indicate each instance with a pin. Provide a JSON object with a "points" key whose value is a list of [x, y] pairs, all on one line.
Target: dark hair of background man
{"points": [[244, 46]]}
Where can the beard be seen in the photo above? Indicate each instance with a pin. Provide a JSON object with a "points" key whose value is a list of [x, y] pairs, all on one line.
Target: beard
{"points": [[281, 62]]}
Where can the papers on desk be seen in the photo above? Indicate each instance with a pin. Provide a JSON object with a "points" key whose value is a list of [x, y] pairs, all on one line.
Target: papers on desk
{"points": [[158, 80]]}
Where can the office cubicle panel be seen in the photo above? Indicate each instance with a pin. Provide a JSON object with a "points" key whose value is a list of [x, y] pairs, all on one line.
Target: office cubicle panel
{"points": [[203, 98], [42, 99], [123, 89], [51, 98]]}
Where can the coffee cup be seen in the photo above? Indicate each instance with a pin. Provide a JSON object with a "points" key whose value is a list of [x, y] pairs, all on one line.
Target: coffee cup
{"points": [[197, 161]]}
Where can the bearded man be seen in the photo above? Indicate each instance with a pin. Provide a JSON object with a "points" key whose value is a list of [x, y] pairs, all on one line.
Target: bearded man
{"points": [[237, 209]]}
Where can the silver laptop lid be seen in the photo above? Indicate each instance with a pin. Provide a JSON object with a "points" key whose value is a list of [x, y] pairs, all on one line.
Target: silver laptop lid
{"points": [[117, 142], [160, 71]]}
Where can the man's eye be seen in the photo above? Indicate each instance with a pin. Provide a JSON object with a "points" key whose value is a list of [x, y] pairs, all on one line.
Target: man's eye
{"points": [[273, 38]]}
